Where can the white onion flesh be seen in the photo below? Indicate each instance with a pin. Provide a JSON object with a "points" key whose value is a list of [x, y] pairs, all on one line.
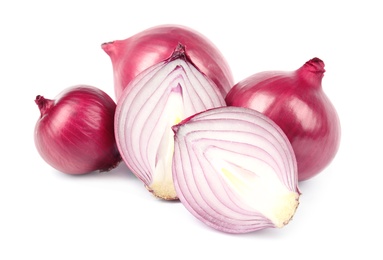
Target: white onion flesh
{"points": [[235, 170], [157, 99]]}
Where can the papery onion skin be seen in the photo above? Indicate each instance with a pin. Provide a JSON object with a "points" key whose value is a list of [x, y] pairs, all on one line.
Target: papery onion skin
{"points": [[75, 131], [296, 101], [133, 55], [235, 170], [154, 101]]}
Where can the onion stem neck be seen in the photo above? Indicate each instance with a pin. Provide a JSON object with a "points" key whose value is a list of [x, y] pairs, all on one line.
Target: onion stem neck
{"points": [[178, 53], [43, 104], [109, 48], [312, 72]]}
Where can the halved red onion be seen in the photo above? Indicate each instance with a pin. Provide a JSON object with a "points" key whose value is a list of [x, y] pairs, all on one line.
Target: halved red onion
{"points": [[154, 101], [235, 170]]}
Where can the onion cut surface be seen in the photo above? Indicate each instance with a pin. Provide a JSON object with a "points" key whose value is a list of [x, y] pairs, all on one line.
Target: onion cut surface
{"points": [[235, 170], [157, 99]]}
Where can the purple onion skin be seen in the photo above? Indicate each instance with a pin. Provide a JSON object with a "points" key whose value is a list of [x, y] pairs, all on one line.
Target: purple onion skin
{"points": [[75, 132], [297, 103], [133, 55]]}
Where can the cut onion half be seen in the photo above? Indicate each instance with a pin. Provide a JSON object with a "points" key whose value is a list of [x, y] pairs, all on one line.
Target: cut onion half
{"points": [[235, 170], [158, 98]]}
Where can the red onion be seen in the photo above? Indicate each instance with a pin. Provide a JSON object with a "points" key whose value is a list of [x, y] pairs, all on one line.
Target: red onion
{"points": [[235, 170], [75, 132], [154, 101], [296, 102], [151, 46]]}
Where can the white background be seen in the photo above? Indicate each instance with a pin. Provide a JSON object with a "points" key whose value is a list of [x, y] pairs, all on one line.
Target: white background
{"points": [[46, 46]]}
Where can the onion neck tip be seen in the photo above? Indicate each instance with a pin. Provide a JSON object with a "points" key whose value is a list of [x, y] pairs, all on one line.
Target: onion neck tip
{"points": [[315, 65], [179, 52], [43, 104], [108, 47], [312, 73]]}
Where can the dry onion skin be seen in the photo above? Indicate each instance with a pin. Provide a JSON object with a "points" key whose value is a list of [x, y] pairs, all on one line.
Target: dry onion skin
{"points": [[235, 170]]}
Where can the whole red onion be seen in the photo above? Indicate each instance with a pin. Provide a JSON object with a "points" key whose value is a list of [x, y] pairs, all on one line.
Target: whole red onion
{"points": [[75, 132], [142, 50], [296, 101]]}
